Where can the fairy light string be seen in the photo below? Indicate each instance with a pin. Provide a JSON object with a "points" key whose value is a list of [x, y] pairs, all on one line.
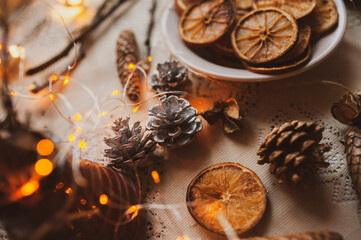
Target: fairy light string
{"points": [[77, 140]]}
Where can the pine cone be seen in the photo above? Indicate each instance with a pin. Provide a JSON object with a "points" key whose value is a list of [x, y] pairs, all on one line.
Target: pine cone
{"points": [[353, 156], [173, 122], [169, 76], [303, 236], [127, 54], [129, 144], [294, 151]]}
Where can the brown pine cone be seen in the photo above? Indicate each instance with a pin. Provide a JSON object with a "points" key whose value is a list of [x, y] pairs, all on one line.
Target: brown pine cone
{"points": [[303, 236], [294, 151], [353, 156], [127, 57]]}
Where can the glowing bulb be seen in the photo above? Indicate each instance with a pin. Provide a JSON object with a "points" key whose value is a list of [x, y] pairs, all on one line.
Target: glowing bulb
{"points": [[77, 117], [135, 109], [73, 3], [82, 144], [31, 87], [45, 147], [103, 199], [15, 51], [29, 188], [155, 177], [79, 129], [66, 80], [71, 138], [51, 96], [102, 114], [115, 92], [150, 58], [131, 66], [83, 201], [69, 191], [43, 167], [12, 94]]}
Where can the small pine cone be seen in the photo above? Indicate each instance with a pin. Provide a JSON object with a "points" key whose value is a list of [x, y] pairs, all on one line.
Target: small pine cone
{"points": [[294, 151], [353, 156], [129, 144], [127, 54], [173, 122], [169, 76], [303, 236]]}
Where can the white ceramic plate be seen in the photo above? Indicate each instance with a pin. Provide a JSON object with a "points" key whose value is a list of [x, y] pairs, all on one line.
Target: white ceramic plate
{"points": [[323, 48]]}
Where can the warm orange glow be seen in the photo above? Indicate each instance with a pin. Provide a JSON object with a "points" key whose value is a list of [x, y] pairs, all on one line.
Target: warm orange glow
{"points": [[133, 209], [15, 51], [1, 46], [51, 96], [29, 188], [83, 201], [45, 147], [150, 58], [74, 3], [183, 238], [66, 80], [103, 199], [31, 87], [136, 109], [53, 78], [77, 117], [12, 94], [71, 138], [115, 92], [69, 191], [131, 66], [155, 177], [79, 129], [102, 114], [82, 144], [43, 167]]}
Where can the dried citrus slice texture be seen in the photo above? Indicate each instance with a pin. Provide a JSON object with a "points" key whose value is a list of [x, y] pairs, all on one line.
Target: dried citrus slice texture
{"points": [[304, 36], [206, 22], [297, 8], [227, 191], [181, 5], [244, 4], [324, 16], [264, 35], [276, 69]]}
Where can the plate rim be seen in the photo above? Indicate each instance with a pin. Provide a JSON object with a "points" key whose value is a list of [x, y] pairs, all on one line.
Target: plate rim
{"points": [[254, 77]]}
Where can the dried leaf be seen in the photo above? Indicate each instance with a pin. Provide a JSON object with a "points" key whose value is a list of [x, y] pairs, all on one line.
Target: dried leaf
{"points": [[347, 110], [229, 112], [233, 110]]}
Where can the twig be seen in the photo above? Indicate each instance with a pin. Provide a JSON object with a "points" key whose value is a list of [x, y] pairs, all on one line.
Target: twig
{"points": [[45, 83], [98, 19], [150, 27]]}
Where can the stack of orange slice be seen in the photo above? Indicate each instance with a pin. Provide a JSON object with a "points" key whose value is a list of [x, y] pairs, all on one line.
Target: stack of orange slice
{"points": [[267, 36]]}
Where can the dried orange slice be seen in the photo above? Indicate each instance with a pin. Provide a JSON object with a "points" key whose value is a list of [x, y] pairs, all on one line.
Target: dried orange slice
{"points": [[181, 5], [304, 36], [324, 17], [264, 35], [227, 192], [244, 4], [297, 8], [206, 22], [277, 69]]}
